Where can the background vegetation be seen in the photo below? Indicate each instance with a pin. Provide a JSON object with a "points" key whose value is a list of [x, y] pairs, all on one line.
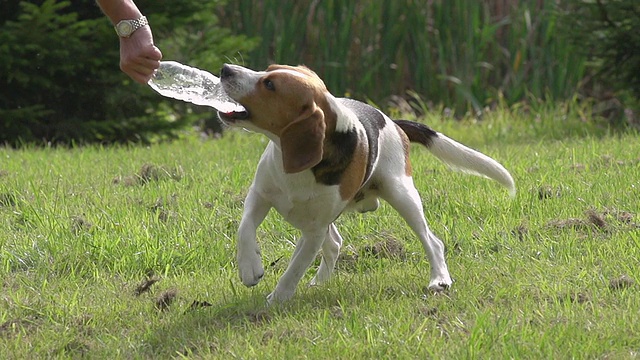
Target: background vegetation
{"points": [[605, 33], [462, 53], [60, 77]]}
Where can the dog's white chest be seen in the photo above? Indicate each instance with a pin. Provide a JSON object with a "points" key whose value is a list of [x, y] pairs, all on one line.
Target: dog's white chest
{"points": [[298, 198]]}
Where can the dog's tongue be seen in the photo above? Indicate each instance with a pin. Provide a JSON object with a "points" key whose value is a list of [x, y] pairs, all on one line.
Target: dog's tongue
{"points": [[236, 115], [196, 86]]}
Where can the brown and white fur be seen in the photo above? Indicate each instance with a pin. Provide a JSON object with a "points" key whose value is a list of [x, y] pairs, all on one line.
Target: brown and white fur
{"points": [[328, 155]]}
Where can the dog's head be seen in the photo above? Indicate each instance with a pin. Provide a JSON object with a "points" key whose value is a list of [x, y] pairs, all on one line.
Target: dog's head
{"points": [[284, 102]]}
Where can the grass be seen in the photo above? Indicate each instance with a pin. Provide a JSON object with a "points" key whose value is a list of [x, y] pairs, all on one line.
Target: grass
{"points": [[128, 252]]}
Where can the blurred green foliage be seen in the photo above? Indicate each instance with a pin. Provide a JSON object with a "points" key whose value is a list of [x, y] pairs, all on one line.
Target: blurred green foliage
{"points": [[606, 33], [60, 80], [60, 77]]}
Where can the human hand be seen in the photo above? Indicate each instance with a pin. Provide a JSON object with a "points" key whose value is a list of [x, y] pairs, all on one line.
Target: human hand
{"points": [[139, 57]]}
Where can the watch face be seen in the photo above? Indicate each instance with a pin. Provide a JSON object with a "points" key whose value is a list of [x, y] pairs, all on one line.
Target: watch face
{"points": [[124, 28]]}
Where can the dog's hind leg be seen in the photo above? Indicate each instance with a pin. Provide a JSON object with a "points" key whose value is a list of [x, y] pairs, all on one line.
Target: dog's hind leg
{"points": [[402, 195], [330, 251]]}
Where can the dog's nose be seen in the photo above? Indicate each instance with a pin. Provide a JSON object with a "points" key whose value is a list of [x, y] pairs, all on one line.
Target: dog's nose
{"points": [[227, 71]]}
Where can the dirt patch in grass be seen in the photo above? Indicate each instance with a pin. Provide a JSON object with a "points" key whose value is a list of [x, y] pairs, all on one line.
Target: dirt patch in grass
{"points": [[570, 223], [166, 298], [77, 348], [234, 200], [150, 173], [83, 323], [14, 326], [163, 301], [601, 221], [520, 231], [605, 161], [387, 248], [621, 282], [577, 167], [80, 225], [336, 312], [7, 199], [575, 298], [259, 317], [621, 216], [427, 311], [597, 219], [161, 208], [348, 258], [197, 304], [146, 285], [548, 192]]}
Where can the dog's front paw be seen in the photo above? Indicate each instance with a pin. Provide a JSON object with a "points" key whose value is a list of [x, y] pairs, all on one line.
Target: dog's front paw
{"points": [[440, 284], [250, 267]]}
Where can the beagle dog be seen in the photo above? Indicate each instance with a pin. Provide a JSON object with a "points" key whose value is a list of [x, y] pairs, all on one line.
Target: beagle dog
{"points": [[328, 155]]}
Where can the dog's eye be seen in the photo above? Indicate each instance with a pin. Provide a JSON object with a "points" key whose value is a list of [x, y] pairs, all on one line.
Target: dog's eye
{"points": [[269, 85]]}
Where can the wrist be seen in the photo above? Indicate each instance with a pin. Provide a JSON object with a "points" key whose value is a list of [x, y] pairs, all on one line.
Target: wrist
{"points": [[125, 28]]}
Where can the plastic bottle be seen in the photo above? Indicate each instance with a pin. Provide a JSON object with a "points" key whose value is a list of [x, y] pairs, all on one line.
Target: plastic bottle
{"points": [[189, 84]]}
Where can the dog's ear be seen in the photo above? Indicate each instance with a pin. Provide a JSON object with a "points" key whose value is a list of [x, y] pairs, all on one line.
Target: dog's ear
{"points": [[302, 141]]}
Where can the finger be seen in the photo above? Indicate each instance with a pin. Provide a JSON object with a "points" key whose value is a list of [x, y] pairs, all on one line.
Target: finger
{"points": [[143, 74], [142, 66], [140, 74], [151, 64], [143, 77]]}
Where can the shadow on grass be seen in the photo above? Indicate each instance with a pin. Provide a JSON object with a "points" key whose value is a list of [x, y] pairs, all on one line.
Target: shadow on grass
{"points": [[199, 327], [202, 327]]}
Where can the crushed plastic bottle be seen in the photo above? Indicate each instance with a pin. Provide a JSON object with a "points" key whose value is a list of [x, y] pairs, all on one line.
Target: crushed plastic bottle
{"points": [[189, 84]]}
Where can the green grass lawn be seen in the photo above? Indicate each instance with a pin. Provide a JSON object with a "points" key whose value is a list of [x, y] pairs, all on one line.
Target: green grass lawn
{"points": [[128, 252]]}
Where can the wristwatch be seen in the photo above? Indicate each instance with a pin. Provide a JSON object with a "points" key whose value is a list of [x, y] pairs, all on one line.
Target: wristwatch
{"points": [[126, 27]]}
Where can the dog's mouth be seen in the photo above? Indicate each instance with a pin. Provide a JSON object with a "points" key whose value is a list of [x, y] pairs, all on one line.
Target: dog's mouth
{"points": [[233, 116]]}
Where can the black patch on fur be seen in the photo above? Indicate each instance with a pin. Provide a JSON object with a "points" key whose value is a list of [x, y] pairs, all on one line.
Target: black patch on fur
{"points": [[417, 132], [340, 146], [338, 154], [373, 121]]}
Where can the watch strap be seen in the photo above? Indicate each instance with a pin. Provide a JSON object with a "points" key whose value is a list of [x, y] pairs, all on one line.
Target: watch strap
{"points": [[135, 25]]}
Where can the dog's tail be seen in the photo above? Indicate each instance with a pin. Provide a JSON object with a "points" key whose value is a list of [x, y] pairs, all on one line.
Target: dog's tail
{"points": [[456, 155]]}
